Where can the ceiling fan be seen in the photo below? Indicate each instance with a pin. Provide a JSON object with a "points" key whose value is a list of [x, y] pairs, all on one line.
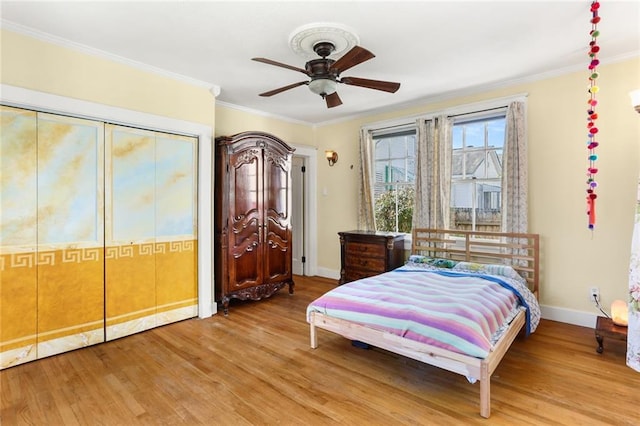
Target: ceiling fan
{"points": [[325, 73]]}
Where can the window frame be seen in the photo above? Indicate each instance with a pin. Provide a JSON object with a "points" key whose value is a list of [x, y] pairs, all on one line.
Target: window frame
{"points": [[483, 117], [471, 110]]}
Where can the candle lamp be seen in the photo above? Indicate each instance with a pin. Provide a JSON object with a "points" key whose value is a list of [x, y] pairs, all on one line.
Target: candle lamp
{"points": [[620, 313]]}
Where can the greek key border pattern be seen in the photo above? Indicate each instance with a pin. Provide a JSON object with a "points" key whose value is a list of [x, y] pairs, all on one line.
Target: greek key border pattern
{"points": [[91, 254]]}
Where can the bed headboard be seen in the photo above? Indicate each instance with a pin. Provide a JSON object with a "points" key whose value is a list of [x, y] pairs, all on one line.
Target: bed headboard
{"points": [[520, 251]]}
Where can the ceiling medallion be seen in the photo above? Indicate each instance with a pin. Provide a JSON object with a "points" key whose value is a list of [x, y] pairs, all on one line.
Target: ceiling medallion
{"points": [[305, 37]]}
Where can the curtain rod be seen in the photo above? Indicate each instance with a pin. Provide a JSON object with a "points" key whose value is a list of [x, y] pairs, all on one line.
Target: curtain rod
{"points": [[477, 112], [450, 111], [392, 127]]}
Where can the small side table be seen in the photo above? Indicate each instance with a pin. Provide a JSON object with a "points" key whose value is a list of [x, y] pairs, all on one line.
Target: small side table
{"points": [[606, 328]]}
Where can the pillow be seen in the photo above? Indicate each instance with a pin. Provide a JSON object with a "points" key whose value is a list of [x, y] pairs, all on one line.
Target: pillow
{"points": [[433, 261], [490, 269]]}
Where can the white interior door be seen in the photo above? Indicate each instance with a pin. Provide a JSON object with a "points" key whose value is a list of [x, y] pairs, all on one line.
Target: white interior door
{"points": [[298, 213]]}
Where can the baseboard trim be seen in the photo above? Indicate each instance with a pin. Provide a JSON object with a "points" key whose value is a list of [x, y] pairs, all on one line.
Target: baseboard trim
{"points": [[328, 273], [569, 316]]}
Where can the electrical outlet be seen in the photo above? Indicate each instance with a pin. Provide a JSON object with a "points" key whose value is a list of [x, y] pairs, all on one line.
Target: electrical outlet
{"points": [[594, 294]]}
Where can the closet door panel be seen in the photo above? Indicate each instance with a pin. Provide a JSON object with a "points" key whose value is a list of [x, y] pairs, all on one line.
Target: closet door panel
{"points": [[18, 242], [130, 302], [70, 233], [176, 242]]}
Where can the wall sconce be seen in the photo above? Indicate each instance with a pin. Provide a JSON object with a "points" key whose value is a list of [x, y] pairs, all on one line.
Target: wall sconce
{"points": [[635, 100], [332, 157], [620, 313]]}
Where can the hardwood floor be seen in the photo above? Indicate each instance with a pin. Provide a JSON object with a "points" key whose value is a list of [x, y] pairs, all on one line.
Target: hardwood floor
{"points": [[255, 367]]}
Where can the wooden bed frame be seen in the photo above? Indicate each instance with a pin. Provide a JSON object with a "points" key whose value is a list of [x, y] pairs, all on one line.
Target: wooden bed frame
{"points": [[521, 251]]}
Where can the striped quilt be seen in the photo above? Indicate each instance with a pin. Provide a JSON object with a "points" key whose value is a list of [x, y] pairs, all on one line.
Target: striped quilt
{"points": [[458, 311]]}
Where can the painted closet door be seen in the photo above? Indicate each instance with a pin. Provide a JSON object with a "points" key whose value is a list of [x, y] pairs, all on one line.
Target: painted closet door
{"points": [[18, 241], [130, 285], [151, 243], [176, 228], [70, 230], [52, 288]]}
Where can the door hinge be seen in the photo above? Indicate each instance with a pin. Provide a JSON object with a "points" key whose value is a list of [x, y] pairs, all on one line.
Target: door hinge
{"points": [[304, 169], [304, 259]]}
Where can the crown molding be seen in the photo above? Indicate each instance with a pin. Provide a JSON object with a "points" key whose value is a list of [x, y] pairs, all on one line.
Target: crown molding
{"points": [[215, 89], [262, 113]]}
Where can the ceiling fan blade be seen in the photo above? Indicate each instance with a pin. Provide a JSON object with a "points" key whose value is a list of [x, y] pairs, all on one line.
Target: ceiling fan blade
{"points": [[282, 89], [333, 100], [279, 64], [355, 56], [385, 86]]}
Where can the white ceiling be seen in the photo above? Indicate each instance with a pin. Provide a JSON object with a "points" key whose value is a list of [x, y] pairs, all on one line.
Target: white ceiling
{"points": [[436, 49]]}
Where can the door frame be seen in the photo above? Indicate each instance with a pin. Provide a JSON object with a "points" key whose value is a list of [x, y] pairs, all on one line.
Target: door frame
{"points": [[310, 191]]}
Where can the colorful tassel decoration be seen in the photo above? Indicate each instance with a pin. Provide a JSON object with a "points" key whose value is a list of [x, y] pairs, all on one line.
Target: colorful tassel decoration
{"points": [[592, 116]]}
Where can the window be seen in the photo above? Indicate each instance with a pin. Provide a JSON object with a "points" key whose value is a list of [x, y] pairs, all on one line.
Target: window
{"points": [[475, 194], [394, 181], [476, 173]]}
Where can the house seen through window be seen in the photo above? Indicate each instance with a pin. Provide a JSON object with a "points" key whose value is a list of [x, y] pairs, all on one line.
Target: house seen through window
{"points": [[476, 175], [394, 182]]}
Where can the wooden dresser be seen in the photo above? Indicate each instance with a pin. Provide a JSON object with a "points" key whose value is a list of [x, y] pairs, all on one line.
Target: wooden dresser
{"points": [[367, 253]]}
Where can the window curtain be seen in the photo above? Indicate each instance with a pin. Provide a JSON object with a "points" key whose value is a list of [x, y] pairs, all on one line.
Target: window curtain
{"points": [[433, 173], [633, 331], [514, 171], [366, 215]]}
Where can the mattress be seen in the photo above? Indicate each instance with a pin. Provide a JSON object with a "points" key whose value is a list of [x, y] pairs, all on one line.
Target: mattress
{"points": [[460, 311]]}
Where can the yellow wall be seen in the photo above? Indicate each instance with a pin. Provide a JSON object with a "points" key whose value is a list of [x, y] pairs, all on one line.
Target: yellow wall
{"points": [[233, 120], [33, 64], [573, 258]]}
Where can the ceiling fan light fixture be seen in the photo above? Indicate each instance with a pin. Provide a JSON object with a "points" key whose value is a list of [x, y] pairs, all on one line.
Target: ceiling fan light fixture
{"points": [[323, 86]]}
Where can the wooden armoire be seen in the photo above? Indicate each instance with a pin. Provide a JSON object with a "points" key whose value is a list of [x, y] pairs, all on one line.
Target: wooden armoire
{"points": [[252, 215]]}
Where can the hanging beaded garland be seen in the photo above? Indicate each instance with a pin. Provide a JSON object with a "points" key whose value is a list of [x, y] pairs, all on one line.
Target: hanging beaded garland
{"points": [[592, 116]]}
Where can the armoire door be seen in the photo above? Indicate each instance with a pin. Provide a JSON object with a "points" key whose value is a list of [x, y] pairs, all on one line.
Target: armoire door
{"points": [[277, 207], [246, 218]]}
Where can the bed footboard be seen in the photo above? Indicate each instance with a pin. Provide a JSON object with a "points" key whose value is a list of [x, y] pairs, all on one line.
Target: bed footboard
{"points": [[470, 367]]}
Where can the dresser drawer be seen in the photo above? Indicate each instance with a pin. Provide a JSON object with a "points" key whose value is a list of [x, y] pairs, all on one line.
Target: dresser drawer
{"points": [[367, 253], [356, 274], [375, 264], [366, 249]]}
